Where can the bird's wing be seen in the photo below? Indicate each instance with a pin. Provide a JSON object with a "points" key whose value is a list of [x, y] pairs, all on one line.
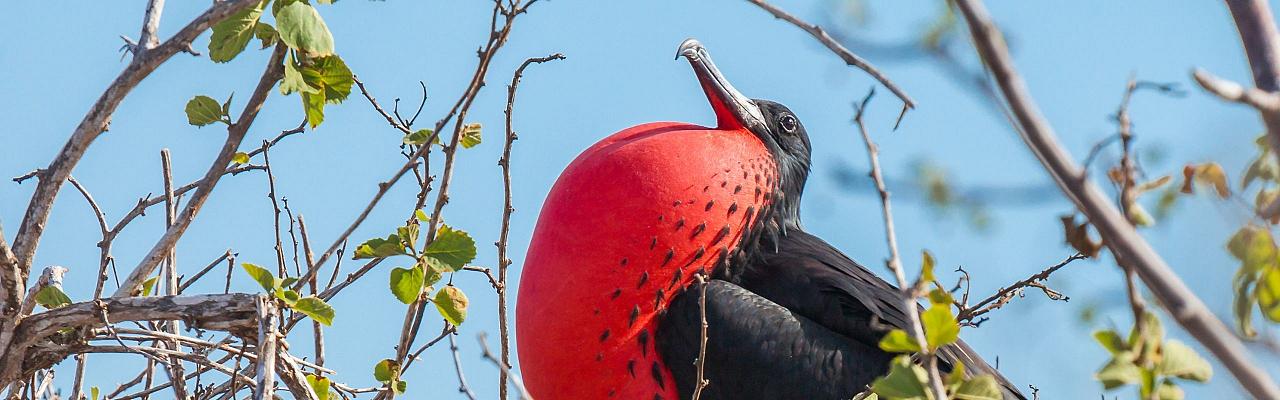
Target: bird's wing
{"points": [[757, 349], [849, 299]]}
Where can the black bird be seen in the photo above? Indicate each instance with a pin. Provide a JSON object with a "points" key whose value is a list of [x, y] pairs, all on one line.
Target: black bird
{"points": [[607, 306], [792, 317]]}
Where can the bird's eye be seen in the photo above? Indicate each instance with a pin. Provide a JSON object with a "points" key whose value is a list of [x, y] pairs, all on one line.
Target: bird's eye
{"points": [[788, 123]]}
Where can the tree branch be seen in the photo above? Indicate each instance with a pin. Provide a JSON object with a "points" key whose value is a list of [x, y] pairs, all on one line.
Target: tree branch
{"points": [[93, 124], [235, 134], [849, 58], [1117, 233], [907, 291]]}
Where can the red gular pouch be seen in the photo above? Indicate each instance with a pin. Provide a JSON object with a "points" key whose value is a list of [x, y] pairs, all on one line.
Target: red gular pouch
{"points": [[625, 228]]}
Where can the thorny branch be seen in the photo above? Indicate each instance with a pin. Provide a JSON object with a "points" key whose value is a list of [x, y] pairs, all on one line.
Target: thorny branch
{"points": [[504, 334], [968, 314]]}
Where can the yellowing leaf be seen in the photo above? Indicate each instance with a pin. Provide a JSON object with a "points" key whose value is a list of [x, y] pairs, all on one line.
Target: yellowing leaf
{"points": [[1181, 361], [1268, 292], [240, 158], [470, 135], [452, 304], [1207, 174], [386, 370]]}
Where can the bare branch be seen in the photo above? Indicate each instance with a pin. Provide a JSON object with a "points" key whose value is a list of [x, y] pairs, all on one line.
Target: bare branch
{"points": [[849, 58], [504, 333], [894, 262], [1118, 234], [235, 134], [1006, 294], [268, 315], [93, 124]]}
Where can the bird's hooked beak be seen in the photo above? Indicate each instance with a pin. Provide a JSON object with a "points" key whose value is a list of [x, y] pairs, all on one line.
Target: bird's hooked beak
{"points": [[733, 110]]}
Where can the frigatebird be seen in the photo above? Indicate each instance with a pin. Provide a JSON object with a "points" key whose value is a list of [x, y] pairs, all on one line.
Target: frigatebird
{"points": [[607, 306]]}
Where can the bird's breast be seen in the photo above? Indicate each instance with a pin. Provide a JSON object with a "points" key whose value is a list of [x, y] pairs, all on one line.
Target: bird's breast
{"points": [[625, 228]]}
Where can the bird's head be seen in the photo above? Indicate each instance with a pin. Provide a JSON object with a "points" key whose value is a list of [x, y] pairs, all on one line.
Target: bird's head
{"points": [[773, 123]]}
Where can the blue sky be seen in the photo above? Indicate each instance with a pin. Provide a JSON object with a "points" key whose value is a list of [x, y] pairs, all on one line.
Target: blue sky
{"points": [[1076, 57]]}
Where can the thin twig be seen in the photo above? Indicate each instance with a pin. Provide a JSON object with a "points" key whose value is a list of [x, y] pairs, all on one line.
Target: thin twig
{"points": [[849, 58], [235, 134], [504, 335], [968, 313], [894, 262]]}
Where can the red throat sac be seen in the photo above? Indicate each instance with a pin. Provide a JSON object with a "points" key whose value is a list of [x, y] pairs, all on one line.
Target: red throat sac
{"points": [[625, 228]]}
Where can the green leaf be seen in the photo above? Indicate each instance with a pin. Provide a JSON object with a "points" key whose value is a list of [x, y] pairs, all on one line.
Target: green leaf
{"points": [[940, 326], [1118, 372], [320, 385], [289, 296], [898, 341], [956, 377], [926, 269], [52, 297], [148, 285], [301, 28], [1181, 361], [331, 75], [313, 106], [231, 35], [315, 308], [982, 387], [264, 277], [400, 387], [265, 34], [240, 158], [379, 247], [1111, 340], [408, 234], [287, 282], [938, 296], [452, 304], [406, 284], [293, 81], [1254, 246], [204, 110], [386, 370], [904, 381], [421, 215], [418, 137], [470, 135], [433, 270], [1268, 293], [453, 247]]}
